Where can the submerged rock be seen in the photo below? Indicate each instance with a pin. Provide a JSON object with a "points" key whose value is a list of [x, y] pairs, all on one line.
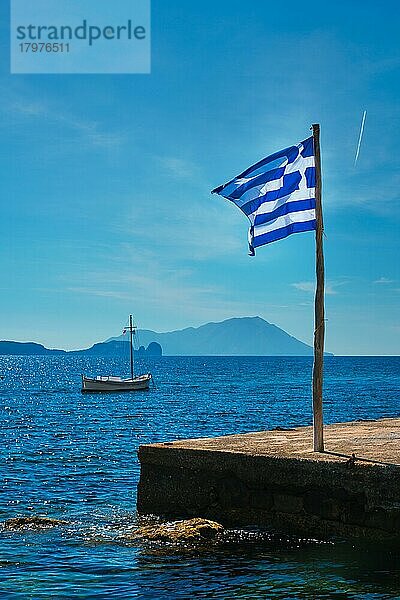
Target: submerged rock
{"points": [[31, 523], [191, 530]]}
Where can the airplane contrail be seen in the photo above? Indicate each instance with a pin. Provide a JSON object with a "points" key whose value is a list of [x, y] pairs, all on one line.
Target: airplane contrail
{"points": [[360, 138]]}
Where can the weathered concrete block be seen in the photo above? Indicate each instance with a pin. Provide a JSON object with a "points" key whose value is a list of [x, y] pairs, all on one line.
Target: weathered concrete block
{"points": [[271, 479], [287, 503]]}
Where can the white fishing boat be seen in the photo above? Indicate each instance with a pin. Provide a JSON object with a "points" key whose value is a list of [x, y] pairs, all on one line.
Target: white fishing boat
{"points": [[110, 383]]}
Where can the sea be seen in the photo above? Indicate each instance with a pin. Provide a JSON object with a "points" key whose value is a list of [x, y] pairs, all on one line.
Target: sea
{"points": [[73, 456]]}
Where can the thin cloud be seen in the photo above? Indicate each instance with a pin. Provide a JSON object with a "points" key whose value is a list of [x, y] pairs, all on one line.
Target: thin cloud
{"points": [[89, 131], [178, 168], [384, 280], [33, 109], [165, 290], [304, 286], [207, 230], [309, 287], [102, 293]]}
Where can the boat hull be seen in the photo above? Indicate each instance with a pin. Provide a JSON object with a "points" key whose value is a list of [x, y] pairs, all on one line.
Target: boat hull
{"points": [[115, 384]]}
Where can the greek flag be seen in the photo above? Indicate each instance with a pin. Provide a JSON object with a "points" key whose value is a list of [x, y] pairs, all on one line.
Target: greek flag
{"points": [[277, 194]]}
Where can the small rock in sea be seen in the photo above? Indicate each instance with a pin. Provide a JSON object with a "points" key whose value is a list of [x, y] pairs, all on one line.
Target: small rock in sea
{"points": [[191, 530], [31, 523]]}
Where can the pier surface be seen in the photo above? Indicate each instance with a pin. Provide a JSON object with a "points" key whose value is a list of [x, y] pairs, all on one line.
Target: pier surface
{"points": [[274, 479]]}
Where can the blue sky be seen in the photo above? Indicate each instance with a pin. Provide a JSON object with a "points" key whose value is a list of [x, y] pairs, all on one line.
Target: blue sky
{"points": [[106, 207]]}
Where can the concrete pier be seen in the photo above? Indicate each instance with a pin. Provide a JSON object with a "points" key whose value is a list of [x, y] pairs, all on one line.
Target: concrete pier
{"points": [[273, 479]]}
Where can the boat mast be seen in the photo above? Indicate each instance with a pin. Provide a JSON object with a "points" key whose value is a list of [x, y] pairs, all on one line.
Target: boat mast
{"points": [[130, 343]]}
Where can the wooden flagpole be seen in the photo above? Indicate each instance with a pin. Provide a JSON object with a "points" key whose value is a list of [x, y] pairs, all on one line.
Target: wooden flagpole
{"points": [[319, 326]]}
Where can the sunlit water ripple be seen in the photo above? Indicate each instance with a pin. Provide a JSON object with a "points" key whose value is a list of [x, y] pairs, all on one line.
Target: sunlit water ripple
{"points": [[73, 456]]}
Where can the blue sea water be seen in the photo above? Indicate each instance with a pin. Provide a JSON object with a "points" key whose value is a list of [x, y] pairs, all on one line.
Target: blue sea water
{"points": [[73, 457]]}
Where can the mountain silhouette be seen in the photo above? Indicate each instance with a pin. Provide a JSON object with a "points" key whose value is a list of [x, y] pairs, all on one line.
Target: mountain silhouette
{"points": [[244, 336]]}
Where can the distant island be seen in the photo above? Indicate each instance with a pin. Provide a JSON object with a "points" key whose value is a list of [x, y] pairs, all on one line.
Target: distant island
{"points": [[111, 348], [241, 336], [26, 349]]}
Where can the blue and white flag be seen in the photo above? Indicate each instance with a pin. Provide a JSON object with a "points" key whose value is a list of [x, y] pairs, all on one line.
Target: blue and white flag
{"points": [[277, 194]]}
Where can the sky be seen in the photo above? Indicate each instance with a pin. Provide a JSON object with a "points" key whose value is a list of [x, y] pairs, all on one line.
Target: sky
{"points": [[106, 207]]}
